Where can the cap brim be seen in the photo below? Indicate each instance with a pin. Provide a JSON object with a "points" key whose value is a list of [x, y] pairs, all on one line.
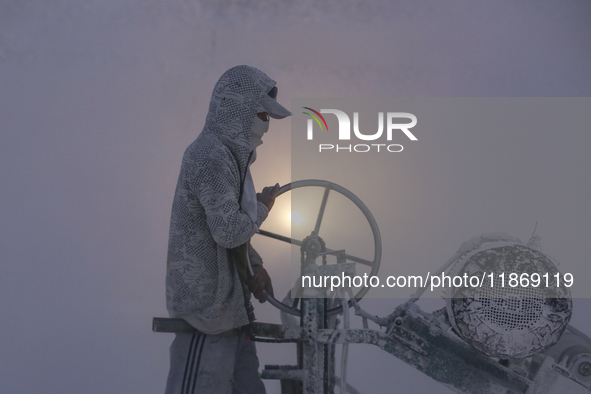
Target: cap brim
{"points": [[274, 109]]}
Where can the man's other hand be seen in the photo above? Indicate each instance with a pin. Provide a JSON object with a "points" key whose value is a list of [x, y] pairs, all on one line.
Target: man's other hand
{"points": [[260, 284], [268, 195]]}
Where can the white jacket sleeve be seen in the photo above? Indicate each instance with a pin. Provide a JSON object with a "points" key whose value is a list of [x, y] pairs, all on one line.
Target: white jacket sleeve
{"points": [[217, 188]]}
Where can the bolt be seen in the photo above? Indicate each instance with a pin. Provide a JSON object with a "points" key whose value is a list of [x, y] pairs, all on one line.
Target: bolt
{"points": [[585, 368], [313, 246], [398, 321]]}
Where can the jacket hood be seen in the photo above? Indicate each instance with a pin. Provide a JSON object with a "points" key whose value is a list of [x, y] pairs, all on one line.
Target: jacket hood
{"points": [[233, 106]]}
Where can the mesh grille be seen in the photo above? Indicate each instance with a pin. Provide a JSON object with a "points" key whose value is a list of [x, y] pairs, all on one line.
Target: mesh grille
{"points": [[504, 321], [511, 308]]}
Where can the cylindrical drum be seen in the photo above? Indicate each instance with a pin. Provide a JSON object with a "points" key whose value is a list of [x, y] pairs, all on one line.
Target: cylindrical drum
{"points": [[512, 302]]}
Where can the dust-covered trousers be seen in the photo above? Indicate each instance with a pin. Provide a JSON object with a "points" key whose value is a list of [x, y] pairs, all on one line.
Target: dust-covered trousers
{"points": [[225, 363]]}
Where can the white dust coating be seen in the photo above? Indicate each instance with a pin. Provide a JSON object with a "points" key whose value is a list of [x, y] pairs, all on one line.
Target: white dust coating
{"points": [[99, 98], [504, 320]]}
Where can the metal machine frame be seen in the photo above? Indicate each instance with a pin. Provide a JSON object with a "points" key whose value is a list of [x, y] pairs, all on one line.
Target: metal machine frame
{"points": [[423, 340]]}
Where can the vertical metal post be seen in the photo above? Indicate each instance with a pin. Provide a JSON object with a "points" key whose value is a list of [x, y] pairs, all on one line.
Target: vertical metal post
{"points": [[329, 352], [313, 353]]}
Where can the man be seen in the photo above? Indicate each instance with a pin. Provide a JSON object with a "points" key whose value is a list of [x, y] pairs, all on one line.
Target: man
{"points": [[214, 214]]}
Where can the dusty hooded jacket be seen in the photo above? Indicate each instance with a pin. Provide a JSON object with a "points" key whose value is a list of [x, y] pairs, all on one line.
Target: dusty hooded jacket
{"points": [[202, 285]]}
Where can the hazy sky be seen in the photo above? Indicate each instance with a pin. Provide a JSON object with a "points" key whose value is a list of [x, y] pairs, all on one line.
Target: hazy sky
{"points": [[98, 100]]}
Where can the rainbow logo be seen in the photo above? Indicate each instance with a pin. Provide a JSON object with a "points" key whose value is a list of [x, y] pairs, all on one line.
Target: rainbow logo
{"points": [[315, 118]]}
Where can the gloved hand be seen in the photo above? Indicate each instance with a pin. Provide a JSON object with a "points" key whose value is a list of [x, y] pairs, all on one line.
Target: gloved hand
{"points": [[260, 284], [268, 196]]}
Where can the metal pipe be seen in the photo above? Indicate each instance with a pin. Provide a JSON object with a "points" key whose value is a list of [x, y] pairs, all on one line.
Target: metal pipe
{"points": [[345, 353]]}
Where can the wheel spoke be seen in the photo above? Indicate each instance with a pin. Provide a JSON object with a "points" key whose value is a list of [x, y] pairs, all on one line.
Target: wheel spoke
{"points": [[321, 211], [280, 237], [289, 240]]}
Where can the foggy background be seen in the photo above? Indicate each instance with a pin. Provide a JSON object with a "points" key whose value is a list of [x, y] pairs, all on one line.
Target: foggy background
{"points": [[99, 99], [480, 164]]}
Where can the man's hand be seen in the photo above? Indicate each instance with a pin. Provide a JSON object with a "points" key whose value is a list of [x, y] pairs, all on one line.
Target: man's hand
{"points": [[268, 196], [260, 284]]}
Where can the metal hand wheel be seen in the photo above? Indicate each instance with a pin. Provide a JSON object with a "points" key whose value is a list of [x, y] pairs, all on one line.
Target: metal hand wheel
{"points": [[329, 187]]}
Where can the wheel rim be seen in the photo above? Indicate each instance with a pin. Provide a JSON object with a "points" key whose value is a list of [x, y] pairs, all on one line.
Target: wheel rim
{"points": [[377, 241]]}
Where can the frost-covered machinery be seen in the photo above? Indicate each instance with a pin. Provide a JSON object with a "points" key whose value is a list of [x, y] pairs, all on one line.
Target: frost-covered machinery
{"points": [[492, 339]]}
